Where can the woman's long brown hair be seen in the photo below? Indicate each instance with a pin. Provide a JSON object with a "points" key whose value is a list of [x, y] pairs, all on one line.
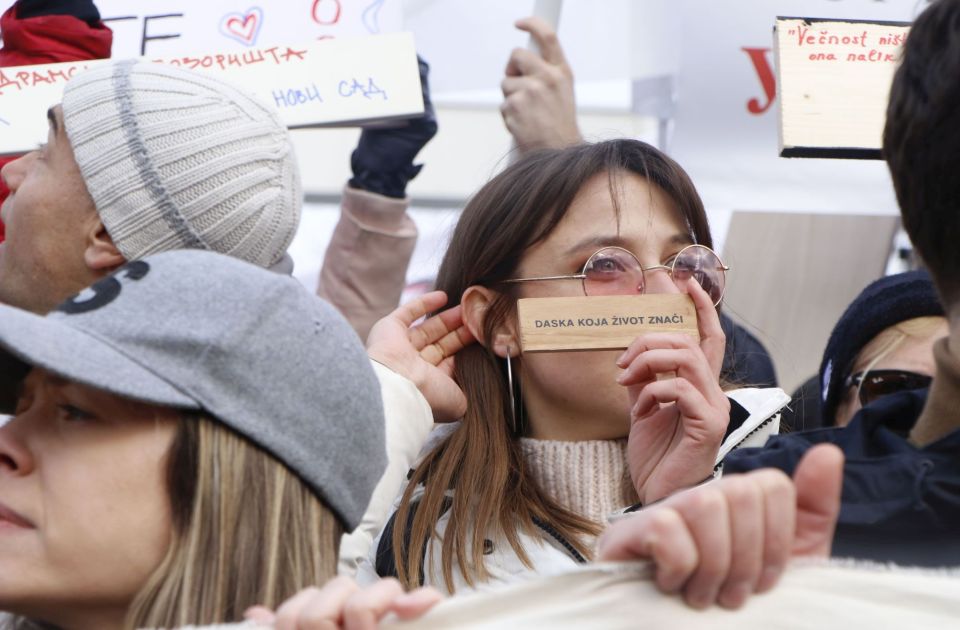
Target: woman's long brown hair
{"points": [[481, 461]]}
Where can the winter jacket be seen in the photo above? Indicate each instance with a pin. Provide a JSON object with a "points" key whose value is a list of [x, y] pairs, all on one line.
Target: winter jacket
{"points": [[754, 417], [365, 265], [900, 503]]}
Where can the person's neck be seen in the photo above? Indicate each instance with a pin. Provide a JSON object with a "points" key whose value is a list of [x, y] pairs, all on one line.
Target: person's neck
{"points": [[547, 423], [589, 478], [941, 414]]}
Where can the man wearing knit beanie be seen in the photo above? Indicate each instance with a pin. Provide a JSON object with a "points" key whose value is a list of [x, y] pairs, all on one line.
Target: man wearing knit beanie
{"points": [[143, 158]]}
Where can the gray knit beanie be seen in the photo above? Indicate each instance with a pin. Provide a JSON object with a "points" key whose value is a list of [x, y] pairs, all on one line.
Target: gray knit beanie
{"points": [[175, 159]]}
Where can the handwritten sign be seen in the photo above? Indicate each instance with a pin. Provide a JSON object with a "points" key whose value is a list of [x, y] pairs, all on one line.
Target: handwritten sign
{"points": [[172, 27], [601, 322], [334, 82], [834, 79]]}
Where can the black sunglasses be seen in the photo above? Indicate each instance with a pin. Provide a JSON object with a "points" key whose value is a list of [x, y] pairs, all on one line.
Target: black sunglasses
{"points": [[878, 383]]}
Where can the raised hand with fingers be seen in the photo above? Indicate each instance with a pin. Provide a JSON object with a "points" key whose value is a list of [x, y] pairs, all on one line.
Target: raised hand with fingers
{"points": [[424, 353], [538, 102], [341, 603], [723, 541], [676, 424]]}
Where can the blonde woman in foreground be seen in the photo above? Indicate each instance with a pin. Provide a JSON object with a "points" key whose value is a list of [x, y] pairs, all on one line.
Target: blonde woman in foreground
{"points": [[191, 436]]}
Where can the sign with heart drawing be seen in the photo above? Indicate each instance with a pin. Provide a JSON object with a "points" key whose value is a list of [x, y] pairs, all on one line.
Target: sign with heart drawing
{"points": [[178, 27], [243, 27]]}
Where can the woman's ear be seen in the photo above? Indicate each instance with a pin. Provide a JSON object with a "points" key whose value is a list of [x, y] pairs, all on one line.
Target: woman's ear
{"points": [[476, 301], [100, 253]]}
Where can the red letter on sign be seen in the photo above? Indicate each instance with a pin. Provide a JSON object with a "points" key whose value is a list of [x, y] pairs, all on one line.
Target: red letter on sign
{"points": [[759, 58]]}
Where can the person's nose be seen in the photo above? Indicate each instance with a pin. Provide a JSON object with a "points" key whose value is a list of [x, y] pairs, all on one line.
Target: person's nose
{"points": [[659, 280], [13, 173], [16, 458]]}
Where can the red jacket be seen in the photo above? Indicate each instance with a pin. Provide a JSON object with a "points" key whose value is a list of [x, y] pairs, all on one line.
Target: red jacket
{"points": [[49, 39]]}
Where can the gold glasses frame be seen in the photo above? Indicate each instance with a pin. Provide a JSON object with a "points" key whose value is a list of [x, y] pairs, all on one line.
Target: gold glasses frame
{"points": [[643, 270]]}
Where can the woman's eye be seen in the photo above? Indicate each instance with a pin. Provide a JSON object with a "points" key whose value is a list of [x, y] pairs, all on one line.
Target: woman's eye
{"points": [[606, 265], [73, 414]]}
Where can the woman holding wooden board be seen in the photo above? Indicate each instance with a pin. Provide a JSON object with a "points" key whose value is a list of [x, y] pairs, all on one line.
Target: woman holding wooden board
{"points": [[553, 443]]}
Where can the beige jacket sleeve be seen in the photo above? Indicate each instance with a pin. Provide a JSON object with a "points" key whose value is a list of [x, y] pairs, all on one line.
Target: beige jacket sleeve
{"points": [[408, 423], [365, 267]]}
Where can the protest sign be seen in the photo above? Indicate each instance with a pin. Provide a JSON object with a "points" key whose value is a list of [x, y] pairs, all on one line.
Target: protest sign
{"points": [[607, 322], [834, 78], [725, 124], [335, 82], [176, 27]]}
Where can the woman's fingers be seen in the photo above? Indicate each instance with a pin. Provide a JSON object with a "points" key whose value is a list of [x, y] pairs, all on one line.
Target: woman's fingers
{"points": [[691, 404], [436, 327], [415, 309], [343, 604], [661, 535], [314, 608], [260, 615], [688, 363], [712, 339], [367, 606], [746, 511], [706, 513], [415, 603], [779, 522], [819, 482], [448, 345], [654, 341], [722, 541], [545, 37]]}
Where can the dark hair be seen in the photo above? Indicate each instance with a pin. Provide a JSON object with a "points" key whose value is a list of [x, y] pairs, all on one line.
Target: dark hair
{"points": [[921, 142], [481, 460]]}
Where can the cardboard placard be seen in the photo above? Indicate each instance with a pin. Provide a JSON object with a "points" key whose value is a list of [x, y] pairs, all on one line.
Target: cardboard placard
{"points": [[331, 82], [602, 322], [834, 79]]}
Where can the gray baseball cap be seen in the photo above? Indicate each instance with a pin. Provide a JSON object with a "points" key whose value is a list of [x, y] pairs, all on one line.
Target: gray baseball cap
{"points": [[254, 349]]}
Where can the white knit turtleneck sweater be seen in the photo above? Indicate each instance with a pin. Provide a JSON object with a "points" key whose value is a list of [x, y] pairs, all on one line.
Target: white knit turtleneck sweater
{"points": [[589, 478]]}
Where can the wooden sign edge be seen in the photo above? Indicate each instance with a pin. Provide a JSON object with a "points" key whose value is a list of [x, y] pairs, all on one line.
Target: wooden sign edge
{"points": [[846, 153]]}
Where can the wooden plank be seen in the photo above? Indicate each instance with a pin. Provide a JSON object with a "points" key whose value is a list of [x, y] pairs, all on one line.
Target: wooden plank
{"points": [[793, 276], [602, 322], [834, 80], [323, 83]]}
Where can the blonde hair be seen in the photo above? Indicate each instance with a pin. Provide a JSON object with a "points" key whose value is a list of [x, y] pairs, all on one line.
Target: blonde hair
{"points": [[920, 328], [875, 350], [247, 531]]}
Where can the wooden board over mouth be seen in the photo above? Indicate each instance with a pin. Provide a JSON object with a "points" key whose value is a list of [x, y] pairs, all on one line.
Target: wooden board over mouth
{"points": [[603, 322]]}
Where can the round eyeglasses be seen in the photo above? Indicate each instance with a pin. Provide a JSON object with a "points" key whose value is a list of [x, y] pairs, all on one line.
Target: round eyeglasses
{"points": [[617, 271]]}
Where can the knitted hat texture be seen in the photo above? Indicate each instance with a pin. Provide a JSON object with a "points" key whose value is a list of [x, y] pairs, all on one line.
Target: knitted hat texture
{"points": [[883, 303], [175, 159]]}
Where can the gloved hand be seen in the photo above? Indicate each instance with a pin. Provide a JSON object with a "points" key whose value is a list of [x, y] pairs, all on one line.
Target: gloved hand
{"points": [[382, 163]]}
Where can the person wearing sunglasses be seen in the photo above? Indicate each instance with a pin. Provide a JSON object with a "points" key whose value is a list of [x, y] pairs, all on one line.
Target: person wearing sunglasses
{"points": [[552, 444], [901, 484], [881, 345]]}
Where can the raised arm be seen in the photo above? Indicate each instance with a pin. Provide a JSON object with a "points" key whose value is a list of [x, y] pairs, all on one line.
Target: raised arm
{"points": [[365, 266], [538, 107]]}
